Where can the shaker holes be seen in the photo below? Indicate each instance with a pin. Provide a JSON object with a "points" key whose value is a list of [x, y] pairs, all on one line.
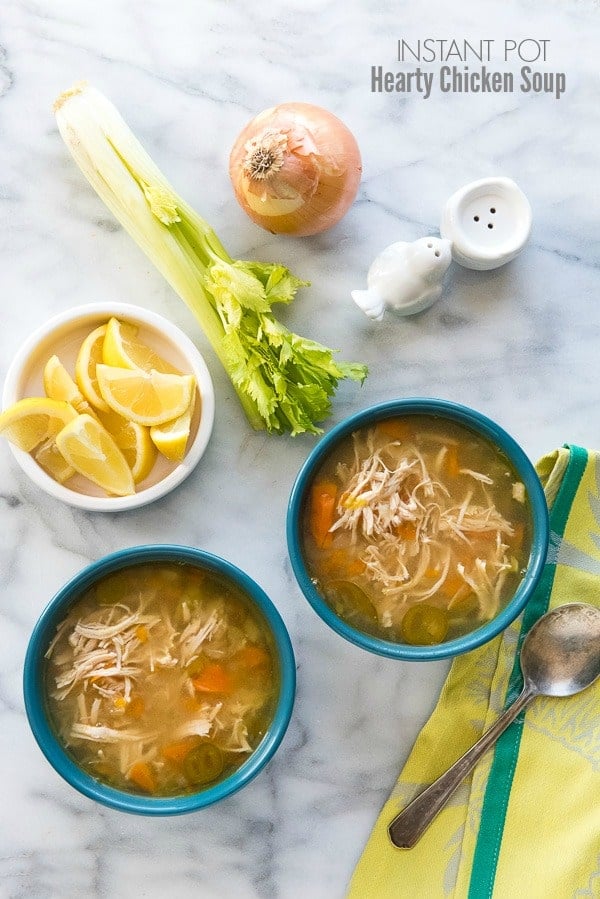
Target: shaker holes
{"points": [[492, 210]]}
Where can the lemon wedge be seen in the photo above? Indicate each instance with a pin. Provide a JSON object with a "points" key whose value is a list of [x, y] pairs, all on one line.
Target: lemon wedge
{"points": [[30, 421], [122, 349], [171, 439], [50, 458], [134, 442], [90, 354], [147, 398], [59, 385], [90, 449]]}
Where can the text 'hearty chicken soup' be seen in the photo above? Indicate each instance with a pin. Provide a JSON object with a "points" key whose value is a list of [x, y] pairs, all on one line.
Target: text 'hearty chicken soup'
{"points": [[162, 679], [416, 529]]}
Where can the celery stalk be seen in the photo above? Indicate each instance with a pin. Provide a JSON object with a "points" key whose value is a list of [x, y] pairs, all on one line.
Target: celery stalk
{"points": [[283, 381]]}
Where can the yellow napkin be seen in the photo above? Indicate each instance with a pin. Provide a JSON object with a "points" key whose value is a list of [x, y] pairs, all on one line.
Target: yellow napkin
{"points": [[526, 825]]}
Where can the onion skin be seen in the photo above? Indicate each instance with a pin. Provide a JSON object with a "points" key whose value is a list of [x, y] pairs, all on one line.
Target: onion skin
{"points": [[295, 169]]}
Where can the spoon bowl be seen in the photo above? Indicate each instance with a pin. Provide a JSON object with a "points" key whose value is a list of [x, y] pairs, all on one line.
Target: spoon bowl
{"points": [[560, 656], [561, 652]]}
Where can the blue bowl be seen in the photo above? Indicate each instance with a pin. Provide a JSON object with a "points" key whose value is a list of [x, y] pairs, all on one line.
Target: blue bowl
{"points": [[481, 425], [33, 682]]}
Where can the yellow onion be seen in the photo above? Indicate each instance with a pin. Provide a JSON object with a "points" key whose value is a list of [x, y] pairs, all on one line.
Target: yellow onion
{"points": [[295, 169]]}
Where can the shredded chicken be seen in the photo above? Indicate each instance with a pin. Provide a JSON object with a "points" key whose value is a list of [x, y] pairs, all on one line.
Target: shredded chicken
{"points": [[195, 634], [200, 726], [238, 742], [412, 533], [107, 734], [477, 475]]}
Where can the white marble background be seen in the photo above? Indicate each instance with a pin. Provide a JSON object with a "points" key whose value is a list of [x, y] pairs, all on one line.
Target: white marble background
{"points": [[520, 344]]}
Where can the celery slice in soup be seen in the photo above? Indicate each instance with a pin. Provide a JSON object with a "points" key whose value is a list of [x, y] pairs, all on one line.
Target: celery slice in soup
{"points": [[203, 764], [353, 599], [425, 625]]}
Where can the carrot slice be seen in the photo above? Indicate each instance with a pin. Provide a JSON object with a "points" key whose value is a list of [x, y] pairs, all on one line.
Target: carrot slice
{"points": [[341, 561], [356, 566], [394, 429], [322, 512], [141, 775], [176, 752], [213, 679], [451, 461]]}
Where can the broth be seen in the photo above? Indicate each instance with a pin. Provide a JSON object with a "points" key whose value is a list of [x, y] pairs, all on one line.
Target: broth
{"points": [[416, 529], [162, 679]]}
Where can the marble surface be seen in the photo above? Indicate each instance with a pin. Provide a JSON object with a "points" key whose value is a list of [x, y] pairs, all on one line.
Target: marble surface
{"points": [[519, 344]]}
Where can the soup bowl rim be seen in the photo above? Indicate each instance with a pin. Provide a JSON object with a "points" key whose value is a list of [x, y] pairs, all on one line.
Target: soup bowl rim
{"points": [[482, 425], [33, 678]]}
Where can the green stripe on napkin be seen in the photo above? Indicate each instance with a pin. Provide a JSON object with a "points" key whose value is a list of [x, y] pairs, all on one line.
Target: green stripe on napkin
{"points": [[497, 794]]}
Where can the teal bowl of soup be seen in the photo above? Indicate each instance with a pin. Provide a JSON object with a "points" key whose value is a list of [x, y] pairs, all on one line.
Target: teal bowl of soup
{"points": [[417, 529], [159, 680]]}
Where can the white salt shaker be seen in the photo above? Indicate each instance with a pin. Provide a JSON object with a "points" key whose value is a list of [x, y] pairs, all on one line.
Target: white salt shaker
{"points": [[488, 222]]}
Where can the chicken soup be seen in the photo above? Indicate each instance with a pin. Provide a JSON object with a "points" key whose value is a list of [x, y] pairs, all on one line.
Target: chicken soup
{"points": [[416, 529], [162, 679]]}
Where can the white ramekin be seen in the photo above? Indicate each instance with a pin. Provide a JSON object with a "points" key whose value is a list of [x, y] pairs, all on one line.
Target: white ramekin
{"points": [[24, 378]]}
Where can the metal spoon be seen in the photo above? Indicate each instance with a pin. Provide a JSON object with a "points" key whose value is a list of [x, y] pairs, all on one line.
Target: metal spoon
{"points": [[560, 656]]}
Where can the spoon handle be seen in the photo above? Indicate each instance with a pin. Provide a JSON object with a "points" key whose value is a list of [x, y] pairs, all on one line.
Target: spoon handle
{"points": [[407, 827]]}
